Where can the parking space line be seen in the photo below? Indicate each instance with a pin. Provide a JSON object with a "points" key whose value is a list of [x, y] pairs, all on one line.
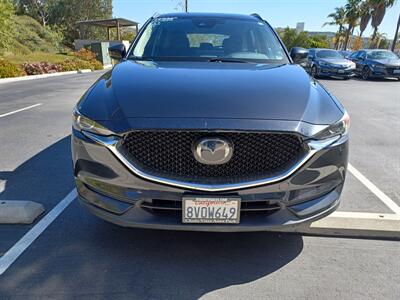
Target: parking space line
{"points": [[374, 189], [18, 110], [15, 251]]}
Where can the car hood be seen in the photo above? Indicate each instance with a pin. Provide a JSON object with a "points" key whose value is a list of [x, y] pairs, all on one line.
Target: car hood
{"points": [[388, 62], [337, 61], [209, 91]]}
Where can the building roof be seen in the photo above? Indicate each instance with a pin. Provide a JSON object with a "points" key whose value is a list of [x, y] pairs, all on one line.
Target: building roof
{"points": [[109, 22]]}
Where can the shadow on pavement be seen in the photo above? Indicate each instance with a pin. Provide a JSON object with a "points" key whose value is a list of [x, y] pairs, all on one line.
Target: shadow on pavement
{"points": [[80, 256], [45, 178]]}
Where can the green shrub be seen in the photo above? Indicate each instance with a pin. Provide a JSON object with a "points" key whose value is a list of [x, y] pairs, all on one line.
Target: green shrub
{"points": [[74, 65], [85, 54], [8, 69]]}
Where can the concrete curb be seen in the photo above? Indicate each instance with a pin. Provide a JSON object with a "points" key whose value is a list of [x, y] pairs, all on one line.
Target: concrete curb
{"points": [[354, 224], [31, 77], [19, 212]]}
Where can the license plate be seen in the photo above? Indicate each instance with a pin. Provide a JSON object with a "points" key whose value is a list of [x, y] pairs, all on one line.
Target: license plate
{"points": [[340, 71], [219, 210], [396, 71]]}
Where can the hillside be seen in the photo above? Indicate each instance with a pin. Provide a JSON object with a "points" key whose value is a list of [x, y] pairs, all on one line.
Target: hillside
{"points": [[29, 36]]}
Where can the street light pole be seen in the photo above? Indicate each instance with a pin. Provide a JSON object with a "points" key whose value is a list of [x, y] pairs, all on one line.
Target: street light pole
{"points": [[396, 35], [186, 5]]}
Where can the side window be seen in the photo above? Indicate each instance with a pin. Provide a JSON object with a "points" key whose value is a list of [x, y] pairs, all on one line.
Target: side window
{"points": [[362, 55], [355, 54]]}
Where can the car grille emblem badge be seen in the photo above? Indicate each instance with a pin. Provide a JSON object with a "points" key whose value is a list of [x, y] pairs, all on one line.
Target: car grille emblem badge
{"points": [[213, 151]]}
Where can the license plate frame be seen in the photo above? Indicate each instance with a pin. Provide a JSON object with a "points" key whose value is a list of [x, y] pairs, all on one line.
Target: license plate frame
{"points": [[202, 209]]}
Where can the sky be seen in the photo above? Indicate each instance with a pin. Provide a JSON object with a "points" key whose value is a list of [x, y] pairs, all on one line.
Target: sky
{"points": [[279, 13]]}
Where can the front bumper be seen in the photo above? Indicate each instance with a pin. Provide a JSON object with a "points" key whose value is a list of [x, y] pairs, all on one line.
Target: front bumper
{"points": [[335, 72], [112, 192], [385, 72]]}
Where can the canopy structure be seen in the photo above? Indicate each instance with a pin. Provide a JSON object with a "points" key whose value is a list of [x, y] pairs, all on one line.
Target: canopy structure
{"points": [[109, 23]]}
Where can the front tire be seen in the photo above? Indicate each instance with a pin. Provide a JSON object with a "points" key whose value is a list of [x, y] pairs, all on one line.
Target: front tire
{"points": [[366, 73], [314, 72]]}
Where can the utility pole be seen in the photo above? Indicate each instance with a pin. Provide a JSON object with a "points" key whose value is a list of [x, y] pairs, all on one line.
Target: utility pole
{"points": [[396, 35], [186, 5]]}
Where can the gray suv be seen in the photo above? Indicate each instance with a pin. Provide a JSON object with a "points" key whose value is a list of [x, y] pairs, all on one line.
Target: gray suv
{"points": [[207, 124]]}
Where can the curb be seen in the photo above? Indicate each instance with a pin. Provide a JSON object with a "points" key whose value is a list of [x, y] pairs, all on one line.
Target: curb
{"points": [[19, 212], [31, 77], [353, 224]]}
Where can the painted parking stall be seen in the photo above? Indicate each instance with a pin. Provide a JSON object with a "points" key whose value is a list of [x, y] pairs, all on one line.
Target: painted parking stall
{"points": [[69, 244]]}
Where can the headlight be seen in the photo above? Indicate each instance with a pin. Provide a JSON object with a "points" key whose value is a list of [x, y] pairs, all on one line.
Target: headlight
{"points": [[378, 66], [352, 66], [341, 127], [80, 123], [324, 64]]}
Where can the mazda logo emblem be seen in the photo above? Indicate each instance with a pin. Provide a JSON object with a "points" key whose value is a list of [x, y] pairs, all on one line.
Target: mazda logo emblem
{"points": [[213, 151]]}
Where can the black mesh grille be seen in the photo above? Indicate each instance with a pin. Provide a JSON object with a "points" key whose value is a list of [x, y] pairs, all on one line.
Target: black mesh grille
{"points": [[169, 154]]}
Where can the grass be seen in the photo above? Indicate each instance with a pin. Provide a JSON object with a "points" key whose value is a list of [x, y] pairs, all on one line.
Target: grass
{"points": [[38, 57]]}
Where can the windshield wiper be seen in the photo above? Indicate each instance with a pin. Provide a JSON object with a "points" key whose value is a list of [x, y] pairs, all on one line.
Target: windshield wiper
{"points": [[146, 58], [228, 60]]}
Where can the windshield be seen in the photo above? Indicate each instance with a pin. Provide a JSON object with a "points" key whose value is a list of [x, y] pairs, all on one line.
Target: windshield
{"points": [[381, 55], [329, 54], [202, 39]]}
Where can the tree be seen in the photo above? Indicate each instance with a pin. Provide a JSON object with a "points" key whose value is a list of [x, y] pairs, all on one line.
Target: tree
{"points": [[338, 18], [365, 13], [396, 34], [378, 13], [6, 14], [352, 18], [380, 41], [291, 39], [66, 13], [37, 9]]}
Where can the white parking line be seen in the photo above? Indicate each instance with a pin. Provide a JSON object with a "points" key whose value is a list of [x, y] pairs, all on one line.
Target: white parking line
{"points": [[374, 189], [11, 255], [18, 110]]}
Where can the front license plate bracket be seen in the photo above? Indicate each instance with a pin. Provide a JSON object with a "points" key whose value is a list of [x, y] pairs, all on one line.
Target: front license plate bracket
{"points": [[210, 210]]}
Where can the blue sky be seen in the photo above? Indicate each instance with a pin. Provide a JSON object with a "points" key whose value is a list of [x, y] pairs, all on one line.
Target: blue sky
{"points": [[280, 13]]}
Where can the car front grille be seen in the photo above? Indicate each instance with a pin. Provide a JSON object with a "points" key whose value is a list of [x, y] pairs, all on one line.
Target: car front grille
{"points": [[256, 155], [390, 70]]}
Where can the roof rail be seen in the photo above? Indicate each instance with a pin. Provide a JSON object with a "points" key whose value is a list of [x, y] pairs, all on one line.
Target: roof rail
{"points": [[257, 16]]}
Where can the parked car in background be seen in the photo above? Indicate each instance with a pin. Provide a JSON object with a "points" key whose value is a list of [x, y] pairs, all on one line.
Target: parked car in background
{"points": [[346, 53], [328, 62], [376, 63]]}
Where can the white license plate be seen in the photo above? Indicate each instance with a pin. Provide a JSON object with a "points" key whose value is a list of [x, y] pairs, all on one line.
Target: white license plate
{"points": [[396, 71], [221, 210], [340, 71]]}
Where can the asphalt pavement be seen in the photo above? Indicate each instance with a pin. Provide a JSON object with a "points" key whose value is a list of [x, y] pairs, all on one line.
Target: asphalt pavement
{"points": [[80, 256]]}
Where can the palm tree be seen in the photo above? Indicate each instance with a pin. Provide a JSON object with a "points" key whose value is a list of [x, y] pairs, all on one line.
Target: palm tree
{"points": [[365, 13], [352, 18], [396, 35], [380, 40], [338, 18], [378, 13]]}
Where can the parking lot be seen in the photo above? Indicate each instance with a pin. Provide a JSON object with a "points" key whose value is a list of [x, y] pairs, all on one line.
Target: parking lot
{"points": [[80, 256]]}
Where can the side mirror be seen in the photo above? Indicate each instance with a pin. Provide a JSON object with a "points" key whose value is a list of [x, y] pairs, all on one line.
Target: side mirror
{"points": [[298, 54], [117, 52]]}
